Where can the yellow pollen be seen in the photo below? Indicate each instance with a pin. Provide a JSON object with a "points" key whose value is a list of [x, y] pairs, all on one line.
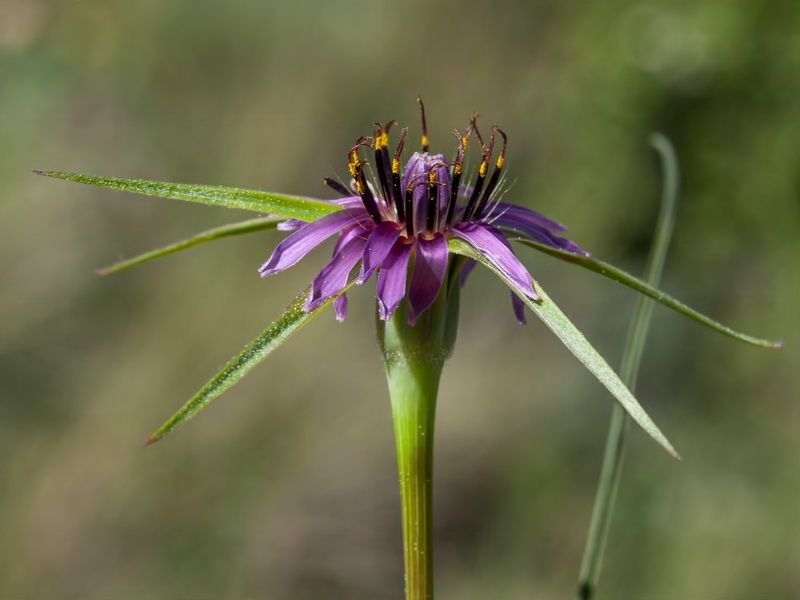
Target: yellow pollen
{"points": [[425, 140], [500, 162], [384, 140], [395, 165], [484, 166], [360, 186]]}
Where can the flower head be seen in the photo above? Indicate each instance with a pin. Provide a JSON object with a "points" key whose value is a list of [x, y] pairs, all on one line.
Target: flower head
{"points": [[393, 217]]}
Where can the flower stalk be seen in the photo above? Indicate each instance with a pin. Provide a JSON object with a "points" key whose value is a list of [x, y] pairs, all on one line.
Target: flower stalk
{"points": [[414, 356]]}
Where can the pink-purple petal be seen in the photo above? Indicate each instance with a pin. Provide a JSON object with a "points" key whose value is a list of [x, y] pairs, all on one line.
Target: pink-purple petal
{"points": [[340, 306], [519, 308], [496, 249], [538, 234], [391, 286], [305, 239], [333, 277], [381, 240], [430, 268], [520, 214]]}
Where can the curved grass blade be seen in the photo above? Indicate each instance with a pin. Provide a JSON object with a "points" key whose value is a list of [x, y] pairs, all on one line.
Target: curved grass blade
{"points": [[614, 455], [250, 226], [575, 341], [292, 207], [632, 282], [291, 321]]}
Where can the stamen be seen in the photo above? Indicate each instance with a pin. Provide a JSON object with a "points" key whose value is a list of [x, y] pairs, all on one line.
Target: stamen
{"points": [[398, 197], [382, 164], [470, 212], [496, 175], [336, 186], [455, 178], [357, 171], [409, 211], [433, 202], [425, 144]]}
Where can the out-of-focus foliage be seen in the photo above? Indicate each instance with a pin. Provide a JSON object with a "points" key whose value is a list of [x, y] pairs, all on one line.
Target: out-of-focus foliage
{"points": [[286, 487]]}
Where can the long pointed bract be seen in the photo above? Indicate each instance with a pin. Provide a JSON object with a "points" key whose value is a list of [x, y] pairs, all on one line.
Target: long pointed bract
{"points": [[291, 321], [292, 207], [574, 340], [210, 235], [620, 276]]}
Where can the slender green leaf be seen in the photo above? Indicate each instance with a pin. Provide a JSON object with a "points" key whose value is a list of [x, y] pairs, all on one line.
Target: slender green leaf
{"points": [[574, 340], [291, 321], [611, 473], [292, 207], [632, 282], [249, 226]]}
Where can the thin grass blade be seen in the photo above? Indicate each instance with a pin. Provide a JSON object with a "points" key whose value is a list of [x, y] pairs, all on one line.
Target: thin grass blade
{"points": [[289, 323], [575, 341], [210, 235], [293, 207], [613, 458]]}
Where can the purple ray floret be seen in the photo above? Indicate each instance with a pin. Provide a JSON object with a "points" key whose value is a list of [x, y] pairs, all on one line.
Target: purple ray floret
{"points": [[396, 220]]}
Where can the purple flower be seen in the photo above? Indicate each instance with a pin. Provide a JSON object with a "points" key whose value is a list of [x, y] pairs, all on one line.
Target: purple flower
{"points": [[393, 217]]}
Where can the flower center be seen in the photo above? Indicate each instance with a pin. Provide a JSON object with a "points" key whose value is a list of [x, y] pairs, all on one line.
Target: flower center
{"points": [[428, 197]]}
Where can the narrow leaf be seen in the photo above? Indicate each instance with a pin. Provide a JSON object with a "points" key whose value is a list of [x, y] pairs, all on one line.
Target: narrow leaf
{"points": [[292, 207], [613, 457], [291, 321], [250, 226], [632, 282], [574, 340]]}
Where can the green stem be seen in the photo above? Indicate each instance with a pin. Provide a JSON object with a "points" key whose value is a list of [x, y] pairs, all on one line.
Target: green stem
{"points": [[413, 386], [414, 357], [611, 473]]}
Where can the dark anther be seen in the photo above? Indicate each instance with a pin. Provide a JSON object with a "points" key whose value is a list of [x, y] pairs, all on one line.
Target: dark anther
{"points": [[336, 186], [357, 171], [455, 178], [487, 193], [398, 196], [471, 211], [382, 163]]}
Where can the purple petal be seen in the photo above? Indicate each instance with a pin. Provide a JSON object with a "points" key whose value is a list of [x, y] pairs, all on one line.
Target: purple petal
{"points": [[347, 235], [305, 239], [291, 225], [340, 306], [380, 242], [541, 235], [496, 249], [519, 308], [520, 214], [430, 267], [391, 287], [333, 277]]}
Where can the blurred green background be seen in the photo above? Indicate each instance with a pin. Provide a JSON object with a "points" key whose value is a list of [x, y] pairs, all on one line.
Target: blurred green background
{"points": [[286, 487]]}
